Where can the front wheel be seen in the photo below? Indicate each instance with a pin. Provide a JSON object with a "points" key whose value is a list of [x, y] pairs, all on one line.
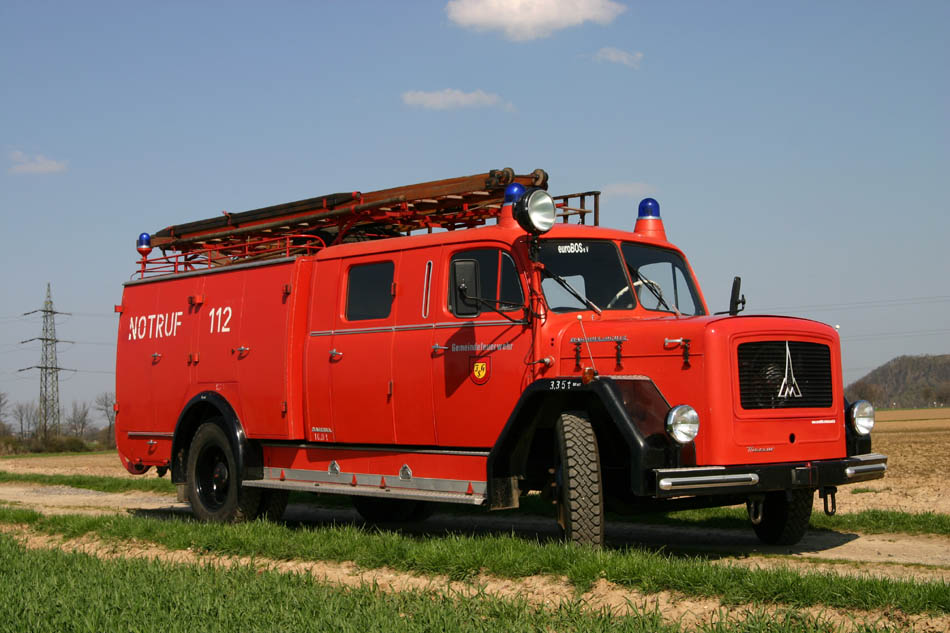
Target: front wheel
{"points": [[784, 516], [213, 481], [579, 498]]}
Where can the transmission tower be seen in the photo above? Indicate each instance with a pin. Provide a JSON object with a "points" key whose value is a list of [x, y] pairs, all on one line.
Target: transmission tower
{"points": [[49, 412]]}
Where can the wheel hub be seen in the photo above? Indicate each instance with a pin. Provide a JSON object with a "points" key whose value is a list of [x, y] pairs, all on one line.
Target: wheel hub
{"points": [[220, 475]]}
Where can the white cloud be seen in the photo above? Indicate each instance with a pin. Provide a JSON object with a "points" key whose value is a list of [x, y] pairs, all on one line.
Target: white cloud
{"points": [[628, 190], [452, 99], [39, 164], [523, 20], [617, 56]]}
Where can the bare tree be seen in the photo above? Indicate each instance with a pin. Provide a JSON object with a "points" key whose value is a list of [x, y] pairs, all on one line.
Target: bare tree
{"points": [[79, 419], [26, 416], [105, 404], [5, 427]]}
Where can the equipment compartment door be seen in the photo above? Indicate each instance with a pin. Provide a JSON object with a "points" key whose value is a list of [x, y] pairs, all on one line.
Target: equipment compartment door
{"points": [[219, 318], [261, 352], [360, 354], [318, 422]]}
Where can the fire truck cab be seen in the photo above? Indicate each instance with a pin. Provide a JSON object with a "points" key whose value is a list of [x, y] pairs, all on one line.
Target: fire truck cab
{"points": [[346, 345]]}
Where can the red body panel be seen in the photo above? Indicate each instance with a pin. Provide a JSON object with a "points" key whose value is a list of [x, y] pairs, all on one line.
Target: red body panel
{"points": [[276, 341]]}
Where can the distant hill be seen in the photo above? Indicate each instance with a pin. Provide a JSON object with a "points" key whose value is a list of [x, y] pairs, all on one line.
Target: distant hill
{"points": [[905, 382]]}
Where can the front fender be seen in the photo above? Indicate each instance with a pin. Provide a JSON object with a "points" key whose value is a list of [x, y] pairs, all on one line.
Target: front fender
{"points": [[206, 406], [628, 414]]}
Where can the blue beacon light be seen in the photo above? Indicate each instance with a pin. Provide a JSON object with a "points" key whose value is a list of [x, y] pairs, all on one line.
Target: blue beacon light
{"points": [[648, 209], [144, 244], [649, 223], [513, 193]]}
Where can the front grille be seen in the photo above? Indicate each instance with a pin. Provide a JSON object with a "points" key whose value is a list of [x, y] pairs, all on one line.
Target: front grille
{"points": [[784, 375]]}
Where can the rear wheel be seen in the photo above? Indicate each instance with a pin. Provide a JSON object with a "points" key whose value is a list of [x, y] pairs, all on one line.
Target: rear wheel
{"points": [[213, 481], [376, 510], [784, 518], [579, 497]]}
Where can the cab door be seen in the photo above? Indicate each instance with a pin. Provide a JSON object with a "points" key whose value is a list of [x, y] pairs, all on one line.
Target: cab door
{"points": [[360, 354], [412, 348], [479, 363]]}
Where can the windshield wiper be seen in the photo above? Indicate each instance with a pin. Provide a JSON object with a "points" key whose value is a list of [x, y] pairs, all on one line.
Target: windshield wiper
{"points": [[654, 289], [567, 286]]}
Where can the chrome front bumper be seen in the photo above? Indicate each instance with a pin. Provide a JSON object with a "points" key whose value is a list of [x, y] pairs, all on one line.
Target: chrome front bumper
{"points": [[707, 480]]}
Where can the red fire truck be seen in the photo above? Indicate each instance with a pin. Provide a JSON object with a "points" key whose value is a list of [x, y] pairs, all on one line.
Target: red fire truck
{"points": [[471, 340]]}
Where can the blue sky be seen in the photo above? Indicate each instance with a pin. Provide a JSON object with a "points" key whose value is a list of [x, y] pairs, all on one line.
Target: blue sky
{"points": [[804, 146]]}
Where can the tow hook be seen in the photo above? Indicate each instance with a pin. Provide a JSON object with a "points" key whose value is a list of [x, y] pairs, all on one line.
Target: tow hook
{"points": [[754, 506], [826, 494]]}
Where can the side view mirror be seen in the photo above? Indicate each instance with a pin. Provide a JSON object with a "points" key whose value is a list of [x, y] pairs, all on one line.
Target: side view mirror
{"points": [[737, 300], [466, 288]]}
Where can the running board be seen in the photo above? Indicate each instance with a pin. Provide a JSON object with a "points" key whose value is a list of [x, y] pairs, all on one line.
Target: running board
{"points": [[366, 491]]}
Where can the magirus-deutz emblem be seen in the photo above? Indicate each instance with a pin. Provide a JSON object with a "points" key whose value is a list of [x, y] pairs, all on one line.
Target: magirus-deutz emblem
{"points": [[789, 388]]}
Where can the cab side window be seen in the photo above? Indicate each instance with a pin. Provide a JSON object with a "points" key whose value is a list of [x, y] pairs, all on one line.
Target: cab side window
{"points": [[497, 278], [369, 291]]}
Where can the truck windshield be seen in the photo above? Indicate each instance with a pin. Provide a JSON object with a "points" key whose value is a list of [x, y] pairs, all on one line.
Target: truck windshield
{"points": [[661, 279], [592, 269]]}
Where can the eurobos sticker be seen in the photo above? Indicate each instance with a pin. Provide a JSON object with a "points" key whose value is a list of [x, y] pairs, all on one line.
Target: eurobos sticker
{"points": [[481, 369]]}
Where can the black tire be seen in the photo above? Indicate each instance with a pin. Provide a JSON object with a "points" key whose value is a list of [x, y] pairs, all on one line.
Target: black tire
{"points": [[273, 504], [579, 495], [213, 481], [376, 510], [785, 516]]}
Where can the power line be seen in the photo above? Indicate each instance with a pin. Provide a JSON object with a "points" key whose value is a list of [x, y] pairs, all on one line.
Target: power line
{"points": [[863, 337], [882, 303]]}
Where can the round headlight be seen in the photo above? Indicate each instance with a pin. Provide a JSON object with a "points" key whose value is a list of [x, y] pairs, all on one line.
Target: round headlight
{"points": [[535, 211], [682, 423], [862, 417]]}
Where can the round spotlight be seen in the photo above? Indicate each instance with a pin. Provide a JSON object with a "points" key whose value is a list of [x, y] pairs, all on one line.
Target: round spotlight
{"points": [[862, 417], [535, 211], [682, 423]]}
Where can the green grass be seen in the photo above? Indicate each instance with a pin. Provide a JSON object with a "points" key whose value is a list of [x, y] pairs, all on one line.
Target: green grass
{"points": [[463, 557], [90, 482], [61, 454], [131, 595], [136, 595]]}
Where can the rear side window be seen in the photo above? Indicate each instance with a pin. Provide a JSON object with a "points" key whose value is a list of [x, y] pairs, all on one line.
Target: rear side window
{"points": [[497, 277], [369, 291]]}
